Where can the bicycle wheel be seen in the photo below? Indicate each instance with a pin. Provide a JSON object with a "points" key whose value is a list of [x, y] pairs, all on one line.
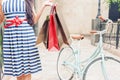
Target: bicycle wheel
{"points": [[94, 70], [64, 70]]}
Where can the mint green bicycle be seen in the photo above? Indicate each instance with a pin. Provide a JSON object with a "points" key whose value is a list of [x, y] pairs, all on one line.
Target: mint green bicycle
{"points": [[97, 67]]}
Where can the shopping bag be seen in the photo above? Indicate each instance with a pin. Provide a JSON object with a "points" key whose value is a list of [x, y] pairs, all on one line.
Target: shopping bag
{"points": [[52, 33], [60, 28], [53, 43], [43, 34]]}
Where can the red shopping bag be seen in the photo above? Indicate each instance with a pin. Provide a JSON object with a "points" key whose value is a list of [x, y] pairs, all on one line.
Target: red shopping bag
{"points": [[53, 43]]}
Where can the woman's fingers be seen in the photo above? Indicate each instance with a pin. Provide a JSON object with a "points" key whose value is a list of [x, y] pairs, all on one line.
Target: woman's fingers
{"points": [[48, 3]]}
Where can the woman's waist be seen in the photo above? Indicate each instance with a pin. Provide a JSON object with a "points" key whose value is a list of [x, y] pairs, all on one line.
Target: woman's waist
{"points": [[16, 21]]}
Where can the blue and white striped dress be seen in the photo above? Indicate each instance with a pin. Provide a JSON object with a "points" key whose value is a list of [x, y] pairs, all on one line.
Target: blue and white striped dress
{"points": [[19, 51]]}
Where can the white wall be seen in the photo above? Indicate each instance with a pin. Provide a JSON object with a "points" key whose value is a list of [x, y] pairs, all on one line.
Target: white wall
{"points": [[76, 15]]}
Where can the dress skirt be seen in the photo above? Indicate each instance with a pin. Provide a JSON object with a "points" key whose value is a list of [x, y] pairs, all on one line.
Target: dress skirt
{"points": [[19, 51]]}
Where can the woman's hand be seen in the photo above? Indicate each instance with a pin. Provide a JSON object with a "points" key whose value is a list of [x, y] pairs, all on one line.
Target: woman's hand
{"points": [[38, 14], [48, 3]]}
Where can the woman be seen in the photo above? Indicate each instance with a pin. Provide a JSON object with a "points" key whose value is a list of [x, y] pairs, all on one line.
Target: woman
{"points": [[21, 57]]}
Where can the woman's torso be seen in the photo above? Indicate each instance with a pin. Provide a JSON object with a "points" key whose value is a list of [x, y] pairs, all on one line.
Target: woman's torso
{"points": [[12, 8]]}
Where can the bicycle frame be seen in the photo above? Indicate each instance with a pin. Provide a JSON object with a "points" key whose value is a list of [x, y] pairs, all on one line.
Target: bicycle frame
{"points": [[77, 65]]}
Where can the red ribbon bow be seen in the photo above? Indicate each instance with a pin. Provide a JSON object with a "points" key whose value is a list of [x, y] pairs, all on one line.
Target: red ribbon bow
{"points": [[16, 21]]}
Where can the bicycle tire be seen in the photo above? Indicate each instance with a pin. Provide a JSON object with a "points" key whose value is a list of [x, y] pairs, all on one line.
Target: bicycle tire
{"points": [[97, 74], [65, 72]]}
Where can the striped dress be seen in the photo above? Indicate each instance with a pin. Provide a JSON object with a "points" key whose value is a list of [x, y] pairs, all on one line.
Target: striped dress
{"points": [[19, 51]]}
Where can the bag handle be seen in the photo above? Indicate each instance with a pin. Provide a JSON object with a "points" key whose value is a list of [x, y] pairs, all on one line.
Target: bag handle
{"points": [[53, 9]]}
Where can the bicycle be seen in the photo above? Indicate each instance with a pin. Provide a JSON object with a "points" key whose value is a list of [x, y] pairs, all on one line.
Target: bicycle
{"points": [[70, 66]]}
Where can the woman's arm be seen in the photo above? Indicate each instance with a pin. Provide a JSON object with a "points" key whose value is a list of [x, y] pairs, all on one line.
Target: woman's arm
{"points": [[1, 13], [38, 14]]}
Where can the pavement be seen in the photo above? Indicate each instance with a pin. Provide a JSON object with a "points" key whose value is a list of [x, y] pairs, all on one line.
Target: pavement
{"points": [[49, 60]]}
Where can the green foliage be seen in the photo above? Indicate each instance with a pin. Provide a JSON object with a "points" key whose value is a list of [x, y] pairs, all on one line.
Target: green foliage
{"points": [[109, 2]]}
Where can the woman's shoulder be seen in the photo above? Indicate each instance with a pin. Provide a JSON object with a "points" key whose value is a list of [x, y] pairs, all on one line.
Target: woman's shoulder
{"points": [[2, 1]]}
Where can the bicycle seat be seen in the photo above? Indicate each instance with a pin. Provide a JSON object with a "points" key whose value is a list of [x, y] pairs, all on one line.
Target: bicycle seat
{"points": [[77, 37], [93, 31]]}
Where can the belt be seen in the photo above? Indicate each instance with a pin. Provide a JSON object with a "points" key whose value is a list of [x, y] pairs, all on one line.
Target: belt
{"points": [[16, 21]]}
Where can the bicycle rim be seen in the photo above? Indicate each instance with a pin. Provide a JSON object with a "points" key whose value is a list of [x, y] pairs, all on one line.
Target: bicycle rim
{"points": [[94, 70], [64, 70]]}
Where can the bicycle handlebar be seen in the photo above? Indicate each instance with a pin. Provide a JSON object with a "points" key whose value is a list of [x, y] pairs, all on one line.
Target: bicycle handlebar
{"points": [[103, 19], [107, 21]]}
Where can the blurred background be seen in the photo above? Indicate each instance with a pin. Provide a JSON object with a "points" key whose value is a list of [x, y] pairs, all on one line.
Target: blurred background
{"points": [[76, 15]]}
